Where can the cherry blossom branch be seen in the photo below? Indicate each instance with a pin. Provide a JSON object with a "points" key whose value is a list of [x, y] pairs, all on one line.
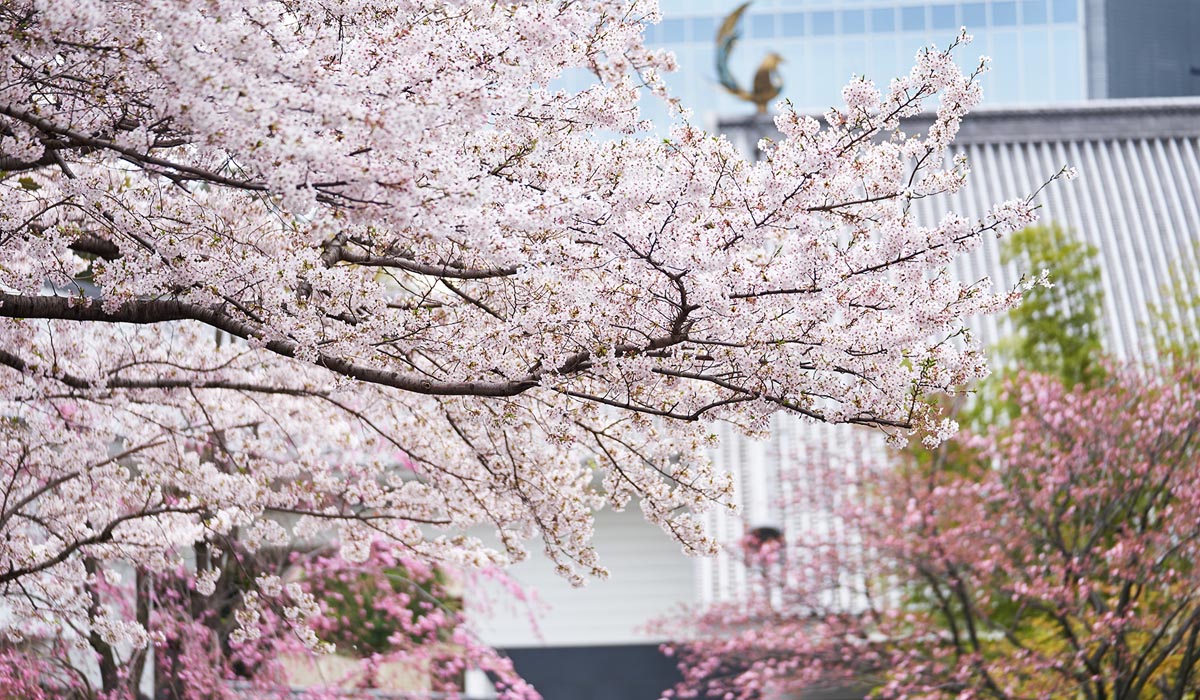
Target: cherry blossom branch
{"points": [[68, 549], [71, 137], [162, 311], [194, 382], [445, 270]]}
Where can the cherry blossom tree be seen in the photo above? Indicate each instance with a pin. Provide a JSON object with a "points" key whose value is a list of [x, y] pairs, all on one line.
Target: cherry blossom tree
{"points": [[1055, 557], [276, 269]]}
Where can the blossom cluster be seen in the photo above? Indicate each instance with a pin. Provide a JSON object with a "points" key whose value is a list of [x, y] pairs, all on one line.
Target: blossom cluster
{"points": [[293, 270]]}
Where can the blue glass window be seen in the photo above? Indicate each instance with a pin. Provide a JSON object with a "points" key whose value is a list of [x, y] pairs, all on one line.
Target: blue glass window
{"points": [[671, 31], [1033, 12], [1066, 11], [1037, 84], [792, 24], [854, 22], [883, 20], [762, 26], [1069, 76], [912, 19], [822, 23], [1004, 80], [944, 17], [974, 15], [651, 33], [704, 28], [1004, 13]]}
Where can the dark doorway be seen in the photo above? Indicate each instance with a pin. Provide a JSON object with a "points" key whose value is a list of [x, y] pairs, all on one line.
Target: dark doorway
{"points": [[626, 672]]}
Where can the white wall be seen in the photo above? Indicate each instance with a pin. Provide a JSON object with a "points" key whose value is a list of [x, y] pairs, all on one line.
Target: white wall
{"points": [[650, 575]]}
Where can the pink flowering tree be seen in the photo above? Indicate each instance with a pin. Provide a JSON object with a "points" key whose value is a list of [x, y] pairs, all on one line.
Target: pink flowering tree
{"points": [[254, 618], [399, 612], [276, 270], [1053, 557]]}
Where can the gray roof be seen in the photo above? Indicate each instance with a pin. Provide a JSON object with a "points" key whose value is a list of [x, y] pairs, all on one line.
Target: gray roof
{"points": [[1137, 197]]}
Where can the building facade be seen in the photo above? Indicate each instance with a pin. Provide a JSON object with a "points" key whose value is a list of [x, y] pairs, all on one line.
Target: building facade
{"points": [[1042, 51], [1143, 48]]}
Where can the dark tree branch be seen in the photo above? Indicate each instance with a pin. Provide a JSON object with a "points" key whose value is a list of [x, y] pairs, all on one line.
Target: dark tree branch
{"points": [[151, 311], [190, 382], [445, 270], [74, 139]]}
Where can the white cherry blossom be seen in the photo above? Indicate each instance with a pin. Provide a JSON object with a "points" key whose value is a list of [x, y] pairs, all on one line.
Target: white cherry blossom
{"points": [[284, 269]]}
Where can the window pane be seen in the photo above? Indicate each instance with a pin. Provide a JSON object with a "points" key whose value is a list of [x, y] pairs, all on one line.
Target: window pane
{"points": [[1003, 81], [912, 19], [671, 31], [1069, 76], [762, 26], [943, 17], [974, 15], [1066, 11], [793, 24], [704, 28], [1004, 14], [854, 22], [884, 60], [1036, 74], [822, 23], [883, 20], [1033, 12]]}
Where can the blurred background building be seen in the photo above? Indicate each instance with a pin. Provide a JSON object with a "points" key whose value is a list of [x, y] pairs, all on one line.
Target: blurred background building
{"points": [[1042, 51]]}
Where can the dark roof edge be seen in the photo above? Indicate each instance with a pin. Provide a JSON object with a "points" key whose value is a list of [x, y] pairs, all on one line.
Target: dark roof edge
{"points": [[1174, 117]]}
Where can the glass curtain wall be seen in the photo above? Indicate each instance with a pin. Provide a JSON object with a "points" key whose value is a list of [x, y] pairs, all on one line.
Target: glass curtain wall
{"points": [[1036, 47]]}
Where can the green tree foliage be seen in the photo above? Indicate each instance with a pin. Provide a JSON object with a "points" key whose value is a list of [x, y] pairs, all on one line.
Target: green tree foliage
{"points": [[1056, 329], [1175, 325]]}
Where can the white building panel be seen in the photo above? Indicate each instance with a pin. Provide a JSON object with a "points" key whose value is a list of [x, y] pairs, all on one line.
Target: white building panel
{"points": [[650, 576]]}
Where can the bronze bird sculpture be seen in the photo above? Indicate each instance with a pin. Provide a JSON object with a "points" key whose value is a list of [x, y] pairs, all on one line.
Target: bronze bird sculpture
{"points": [[767, 83]]}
